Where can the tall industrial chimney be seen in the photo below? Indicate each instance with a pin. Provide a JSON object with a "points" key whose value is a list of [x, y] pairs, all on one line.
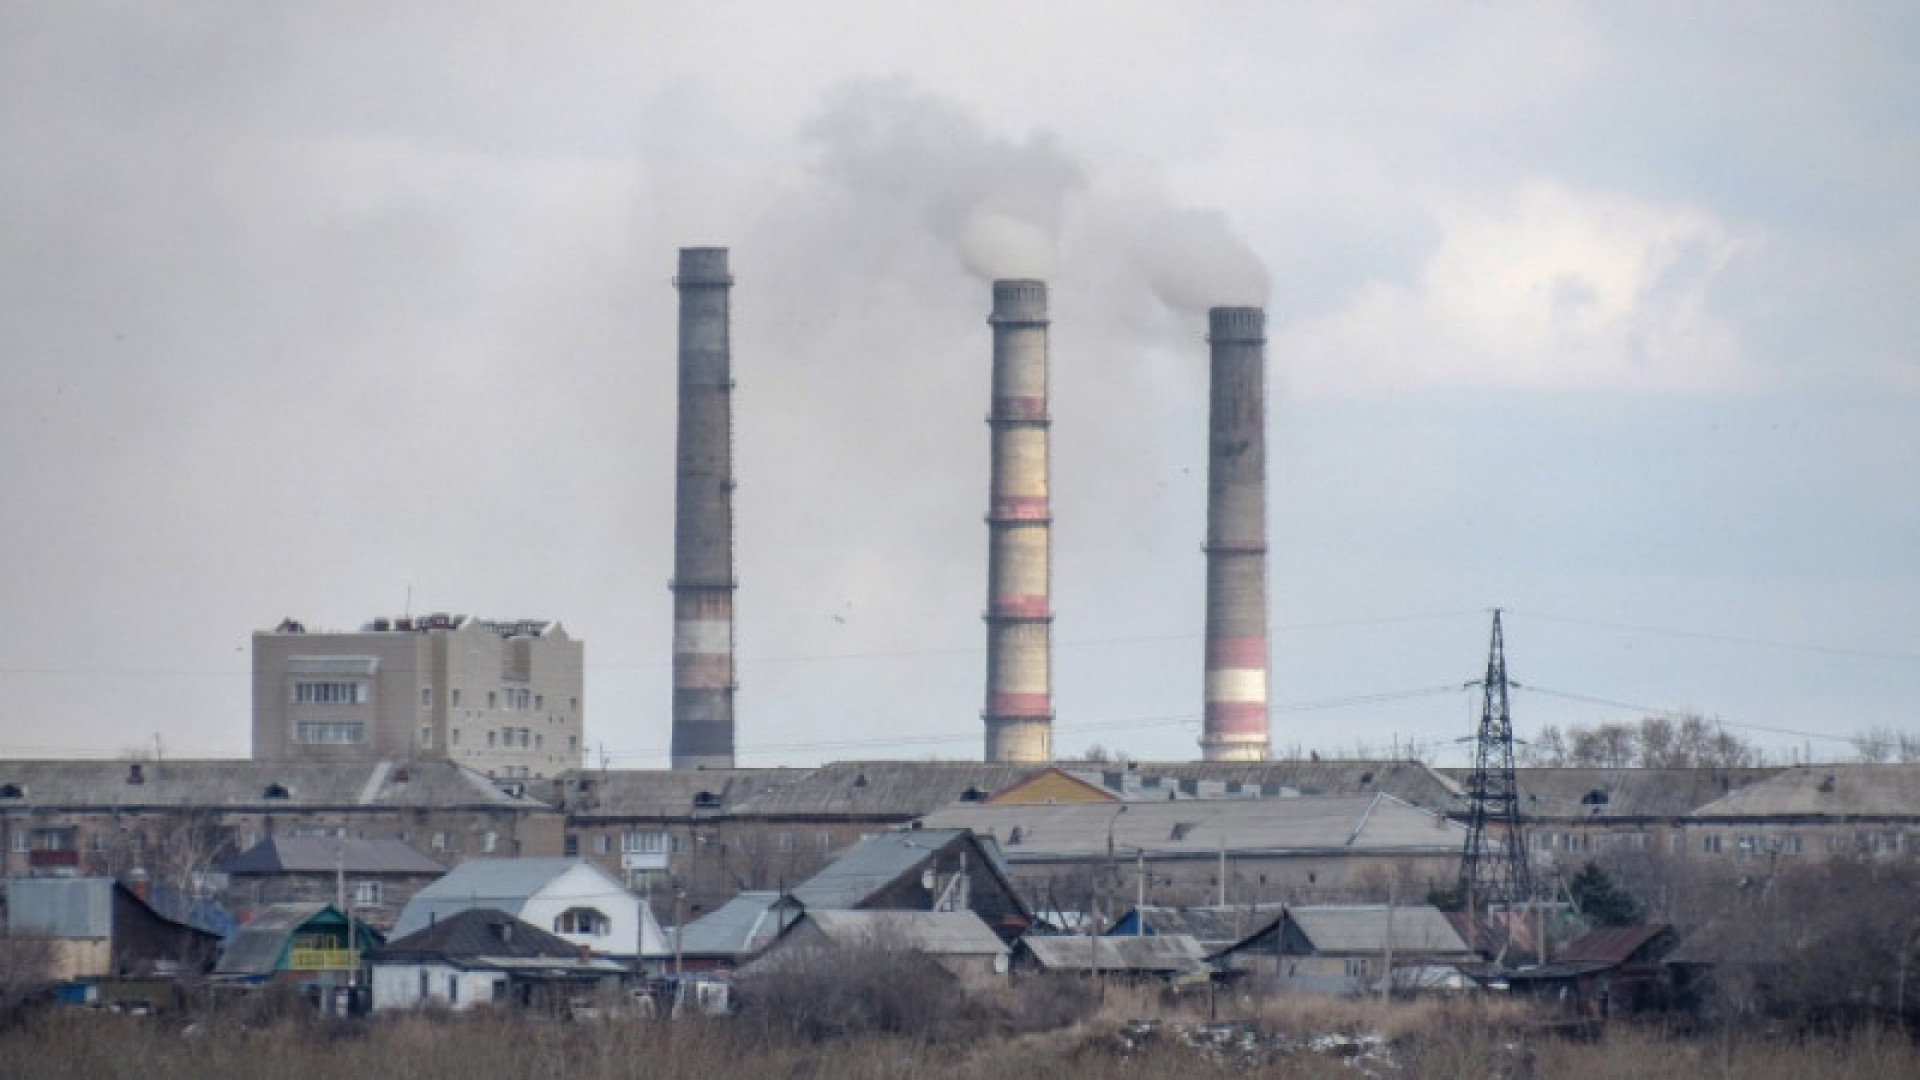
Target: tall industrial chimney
{"points": [[703, 581], [1236, 695], [1019, 712]]}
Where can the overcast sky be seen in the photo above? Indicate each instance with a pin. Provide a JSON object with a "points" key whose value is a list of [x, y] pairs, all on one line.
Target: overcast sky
{"points": [[1603, 313]]}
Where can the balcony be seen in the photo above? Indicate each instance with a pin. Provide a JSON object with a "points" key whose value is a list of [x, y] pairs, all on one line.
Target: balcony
{"points": [[320, 960]]}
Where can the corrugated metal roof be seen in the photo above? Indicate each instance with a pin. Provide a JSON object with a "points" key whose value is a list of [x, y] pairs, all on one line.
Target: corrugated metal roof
{"points": [[1367, 928], [878, 861], [1610, 945], [1825, 791], [1150, 953], [952, 933], [246, 784], [1380, 823], [61, 907], [740, 927], [506, 884], [256, 947], [323, 854]]}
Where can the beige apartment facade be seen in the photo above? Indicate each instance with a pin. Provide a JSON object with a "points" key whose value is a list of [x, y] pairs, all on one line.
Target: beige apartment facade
{"points": [[503, 698]]}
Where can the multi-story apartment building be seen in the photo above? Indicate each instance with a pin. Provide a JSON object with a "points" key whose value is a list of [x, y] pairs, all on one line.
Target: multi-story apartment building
{"points": [[501, 698]]}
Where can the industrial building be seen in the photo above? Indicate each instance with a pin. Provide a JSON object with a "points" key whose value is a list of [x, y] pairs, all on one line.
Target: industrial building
{"points": [[504, 699]]}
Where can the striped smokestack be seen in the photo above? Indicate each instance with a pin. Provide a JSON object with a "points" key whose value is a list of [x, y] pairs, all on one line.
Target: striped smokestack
{"points": [[703, 582], [1019, 712], [1236, 696]]}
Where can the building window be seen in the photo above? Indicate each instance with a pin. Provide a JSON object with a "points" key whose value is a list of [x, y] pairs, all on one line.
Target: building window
{"points": [[366, 894], [456, 697], [1710, 845], [489, 841], [426, 697], [493, 699], [581, 920], [603, 844], [453, 989], [425, 992], [1790, 844], [20, 841], [539, 741], [783, 841], [426, 736], [573, 704], [330, 732], [329, 693], [570, 847], [644, 843], [440, 841], [539, 703], [826, 841], [491, 735]]}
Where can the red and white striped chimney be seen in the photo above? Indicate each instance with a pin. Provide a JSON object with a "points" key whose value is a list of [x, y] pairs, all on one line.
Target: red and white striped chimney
{"points": [[1019, 711], [1235, 727]]}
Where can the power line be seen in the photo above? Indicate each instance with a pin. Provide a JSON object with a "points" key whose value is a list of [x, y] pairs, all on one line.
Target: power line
{"points": [[1731, 639], [1646, 710]]}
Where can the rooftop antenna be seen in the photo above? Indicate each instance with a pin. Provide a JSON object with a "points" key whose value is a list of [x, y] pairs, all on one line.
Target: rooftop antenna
{"points": [[1493, 867]]}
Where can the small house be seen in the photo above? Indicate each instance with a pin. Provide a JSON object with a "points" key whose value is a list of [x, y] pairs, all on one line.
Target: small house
{"points": [[570, 898], [484, 956], [956, 940], [1345, 949], [312, 944], [99, 928]]}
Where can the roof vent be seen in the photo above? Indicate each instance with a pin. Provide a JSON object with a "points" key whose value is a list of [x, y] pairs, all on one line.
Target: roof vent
{"points": [[401, 776], [12, 791], [973, 794], [1015, 836], [1594, 798], [1827, 784], [706, 800], [1366, 778], [275, 791], [1181, 830], [135, 775], [860, 780]]}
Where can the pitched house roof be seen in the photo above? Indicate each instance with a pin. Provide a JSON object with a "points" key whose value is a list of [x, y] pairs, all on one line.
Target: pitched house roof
{"points": [[506, 884], [1213, 926], [1373, 928], [948, 933], [1409, 781], [321, 854], [1161, 954], [877, 862], [258, 947], [740, 927], [1612, 946], [476, 933]]}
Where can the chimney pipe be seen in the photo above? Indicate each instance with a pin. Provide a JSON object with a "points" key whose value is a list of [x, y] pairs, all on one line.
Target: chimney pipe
{"points": [[703, 582], [1235, 726], [1019, 708]]}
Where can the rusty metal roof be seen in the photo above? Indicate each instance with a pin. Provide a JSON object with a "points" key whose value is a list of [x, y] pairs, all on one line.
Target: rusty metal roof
{"points": [[1610, 946]]}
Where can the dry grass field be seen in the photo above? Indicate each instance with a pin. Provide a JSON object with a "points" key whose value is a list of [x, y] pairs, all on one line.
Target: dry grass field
{"points": [[1132, 1035]]}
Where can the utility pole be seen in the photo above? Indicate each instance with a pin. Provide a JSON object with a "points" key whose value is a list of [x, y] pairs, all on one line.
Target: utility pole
{"points": [[1493, 866]]}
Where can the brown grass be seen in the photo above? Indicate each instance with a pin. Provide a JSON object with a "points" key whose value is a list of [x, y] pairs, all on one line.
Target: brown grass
{"points": [[1426, 1039]]}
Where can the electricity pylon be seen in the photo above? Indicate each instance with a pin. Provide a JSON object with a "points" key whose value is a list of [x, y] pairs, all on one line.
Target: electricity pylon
{"points": [[1493, 868]]}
